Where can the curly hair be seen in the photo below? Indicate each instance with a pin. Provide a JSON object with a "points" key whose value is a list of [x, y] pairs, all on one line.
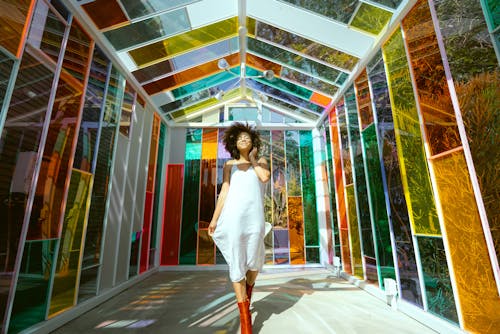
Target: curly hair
{"points": [[231, 134]]}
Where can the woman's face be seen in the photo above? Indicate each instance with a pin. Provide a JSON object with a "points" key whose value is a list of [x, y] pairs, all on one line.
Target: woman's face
{"points": [[244, 141]]}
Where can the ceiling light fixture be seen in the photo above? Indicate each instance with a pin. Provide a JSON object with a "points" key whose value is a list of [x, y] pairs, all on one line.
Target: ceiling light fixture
{"points": [[224, 65]]}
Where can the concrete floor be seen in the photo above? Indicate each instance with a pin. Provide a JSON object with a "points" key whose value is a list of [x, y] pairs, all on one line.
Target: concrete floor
{"points": [[290, 301]]}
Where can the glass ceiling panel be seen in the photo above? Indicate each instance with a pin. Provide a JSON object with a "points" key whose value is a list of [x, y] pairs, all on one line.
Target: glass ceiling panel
{"points": [[389, 3], [139, 8], [305, 46], [340, 10], [184, 77], [291, 108], [187, 60], [105, 13], [295, 61], [205, 83], [262, 64], [185, 42], [371, 19], [164, 25], [203, 105], [308, 81]]}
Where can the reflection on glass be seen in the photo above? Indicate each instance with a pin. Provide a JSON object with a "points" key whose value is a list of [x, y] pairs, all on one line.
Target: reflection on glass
{"points": [[278, 177], [164, 25], [13, 25], [355, 241], [308, 81], [296, 230], [307, 47], [281, 247], [105, 13], [364, 99], [308, 189], [340, 10], [370, 18]]}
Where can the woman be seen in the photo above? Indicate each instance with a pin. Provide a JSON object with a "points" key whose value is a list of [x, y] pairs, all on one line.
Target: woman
{"points": [[237, 225]]}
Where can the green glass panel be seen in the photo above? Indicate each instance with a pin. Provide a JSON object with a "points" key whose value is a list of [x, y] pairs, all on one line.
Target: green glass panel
{"points": [[364, 220], [190, 40], [141, 8], [344, 144], [309, 189], [295, 61], [164, 25], [32, 289], [308, 81], [493, 10], [340, 10], [355, 241], [312, 254], [383, 246], [413, 164], [189, 227], [292, 144], [331, 188], [477, 89], [158, 180], [305, 46], [371, 19], [280, 218], [440, 299], [70, 246]]}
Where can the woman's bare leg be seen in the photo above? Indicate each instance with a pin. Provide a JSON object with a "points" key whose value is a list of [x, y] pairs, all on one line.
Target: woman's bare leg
{"points": [[240, 290], [251, 276]]}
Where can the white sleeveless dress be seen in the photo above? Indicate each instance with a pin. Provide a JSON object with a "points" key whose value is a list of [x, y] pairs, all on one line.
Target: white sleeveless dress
{"points": [[239, 233]]}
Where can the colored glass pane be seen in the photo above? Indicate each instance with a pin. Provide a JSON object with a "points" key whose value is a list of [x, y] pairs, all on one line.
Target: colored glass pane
{"points": [[440, 299], [308, 81], [133, 263], [278, 174], [47, 34], [6, 67], [146, 231], [163, 25], [292, 143], [296, 230], [380, 91], [477, 90], [354, 236], [381, 230], [476, 286], [213, 80], [413, 165], [370, 18], [344, 144], [128, 107], [308, 189], [320, 99], [294, 61], [13, 27], [76, 54], [265, 151], [158, 182], [206, 248], [191, 197], [305, 46], [340, 10], [140, 8], [187, 60], [493, 9], [208, 176], [33, 284], [70, 246], [434, 98], [364, 100], [190, 40], [312, 254], [105, 13], [281, 245]]}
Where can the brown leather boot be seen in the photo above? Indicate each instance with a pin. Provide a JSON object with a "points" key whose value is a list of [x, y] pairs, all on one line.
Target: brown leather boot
{"points": [[245, 317], [249, 291]]}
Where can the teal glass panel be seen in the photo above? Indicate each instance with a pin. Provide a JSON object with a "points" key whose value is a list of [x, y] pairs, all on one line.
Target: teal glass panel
{"points": [[305, 46], [308, 189], [189, 226], [364, 220], [493, 10], [383, 246], [344, 143], [393, 187], [354, 235], [308, 81], [70, 246], [278, 172], [413, 163], [92, 110], [141, 8], [331, 188], [32, 289], [187, 60], [164, 25], [157, 192], [312, 254], [292, 144], [297, 62], [205, 83], [440, 299], [340, 10], [282, 85]]}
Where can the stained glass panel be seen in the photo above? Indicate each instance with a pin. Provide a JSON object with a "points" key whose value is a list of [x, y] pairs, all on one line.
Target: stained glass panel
{"points": [[308, 189], [354, 239], [370, 18], [278, 174]]}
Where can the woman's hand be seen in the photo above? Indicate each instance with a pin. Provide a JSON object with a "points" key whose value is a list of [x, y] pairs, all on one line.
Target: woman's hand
{"points": [[253, 155], [211, 227]]}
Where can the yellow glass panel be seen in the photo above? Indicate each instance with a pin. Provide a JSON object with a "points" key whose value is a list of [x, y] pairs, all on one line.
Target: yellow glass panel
{"points": [[370, 18], [190, 40], [296, 230], [357, 263], [251, 27], [477, 292], [70, 245]]}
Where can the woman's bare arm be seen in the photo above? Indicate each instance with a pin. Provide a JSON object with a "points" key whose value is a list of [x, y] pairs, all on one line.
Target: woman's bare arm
{"points": [[260, 166], [226, 175]]}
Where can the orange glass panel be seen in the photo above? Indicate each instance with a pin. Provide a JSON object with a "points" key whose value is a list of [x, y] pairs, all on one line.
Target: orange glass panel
{"points": [[206, 248], [105, 13], [364, 100], [320, 99], [190, 75], [262, 64], [296, 230], [14, 27]]}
